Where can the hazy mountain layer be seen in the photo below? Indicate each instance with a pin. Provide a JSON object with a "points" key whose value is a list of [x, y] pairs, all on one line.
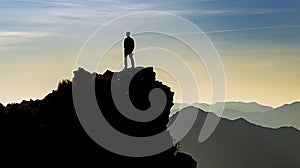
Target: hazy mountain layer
{"points": [[286, 115], [239, 143]]}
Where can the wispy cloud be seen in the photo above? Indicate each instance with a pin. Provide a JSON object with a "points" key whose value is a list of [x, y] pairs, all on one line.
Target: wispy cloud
{"points": [[24, 21], [66, 13], [27, 16], [239, 11], [8, 38], [252, 28], [238, 30], [198, 12]]}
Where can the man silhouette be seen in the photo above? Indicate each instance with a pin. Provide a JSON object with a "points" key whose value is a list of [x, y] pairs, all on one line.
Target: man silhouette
{"points": [[128, 49]]}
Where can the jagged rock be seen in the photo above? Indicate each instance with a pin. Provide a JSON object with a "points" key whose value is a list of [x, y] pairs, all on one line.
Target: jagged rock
{"points": [[2, 115], [50, 131], [2, 110]]}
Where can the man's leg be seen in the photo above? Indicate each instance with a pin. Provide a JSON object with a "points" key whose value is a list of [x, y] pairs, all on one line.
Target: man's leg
{"points": [[125, 62], [131, 59]]}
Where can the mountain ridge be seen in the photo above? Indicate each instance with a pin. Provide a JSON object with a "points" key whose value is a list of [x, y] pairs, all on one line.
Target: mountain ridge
{"points": [[46, 126], [240, 143], [287, 115]]}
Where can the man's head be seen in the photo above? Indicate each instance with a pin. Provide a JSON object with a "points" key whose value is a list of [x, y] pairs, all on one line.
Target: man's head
{"points": [[128, 33]]}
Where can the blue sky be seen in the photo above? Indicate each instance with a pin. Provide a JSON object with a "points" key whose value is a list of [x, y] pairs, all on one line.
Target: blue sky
{"points": [[39, 41], [46, 18]]}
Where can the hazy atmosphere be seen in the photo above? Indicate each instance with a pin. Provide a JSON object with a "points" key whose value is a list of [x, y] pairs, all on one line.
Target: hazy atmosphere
{"points": [[258, 42]]}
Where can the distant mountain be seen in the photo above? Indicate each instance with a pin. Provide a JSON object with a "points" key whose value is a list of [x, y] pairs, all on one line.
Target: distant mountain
{"points": [[239, 143], [177, 107], [287, 115], [247, 107], [236, 106]]}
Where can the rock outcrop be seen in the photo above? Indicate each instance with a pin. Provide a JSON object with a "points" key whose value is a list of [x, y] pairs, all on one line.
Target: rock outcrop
{"points": [[48, 130]]}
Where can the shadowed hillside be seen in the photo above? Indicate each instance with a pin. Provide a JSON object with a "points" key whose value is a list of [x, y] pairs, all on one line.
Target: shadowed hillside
{"points": [[48, 130], [239, 143]]}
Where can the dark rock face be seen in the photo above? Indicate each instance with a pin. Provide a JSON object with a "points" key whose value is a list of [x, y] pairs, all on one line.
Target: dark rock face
{"points": [[140, 86], [2, 111], [48, 130]]}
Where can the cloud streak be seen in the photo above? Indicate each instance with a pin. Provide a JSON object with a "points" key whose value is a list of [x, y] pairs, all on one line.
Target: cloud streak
{"points": [[238, 30], [70, 16], [251, 28], [62, 13], [14, 37], [223, 12]]}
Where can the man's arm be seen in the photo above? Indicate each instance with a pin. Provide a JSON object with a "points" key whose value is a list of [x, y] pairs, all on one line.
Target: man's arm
{"points": [[125, 43], [132, 45]]}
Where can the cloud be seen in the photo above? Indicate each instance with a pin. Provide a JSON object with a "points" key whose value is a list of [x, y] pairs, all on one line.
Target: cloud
{"points": [[67, 15], [196, 12], [242, 11], [251, 28], [59, 14], [14, 37], [73, 13], [239, 30]]}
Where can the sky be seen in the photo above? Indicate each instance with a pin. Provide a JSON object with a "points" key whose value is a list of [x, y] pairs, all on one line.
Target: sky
{"points": [[258, 42]]}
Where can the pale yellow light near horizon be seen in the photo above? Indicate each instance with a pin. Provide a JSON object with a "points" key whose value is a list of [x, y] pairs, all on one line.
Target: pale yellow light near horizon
{"points": [[267, 77], [262, 76], [252, 76]]}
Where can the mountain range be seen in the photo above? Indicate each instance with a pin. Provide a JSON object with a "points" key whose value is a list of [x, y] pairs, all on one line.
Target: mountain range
{"points": [[49, 131], [287, 115], [238, 143]]}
